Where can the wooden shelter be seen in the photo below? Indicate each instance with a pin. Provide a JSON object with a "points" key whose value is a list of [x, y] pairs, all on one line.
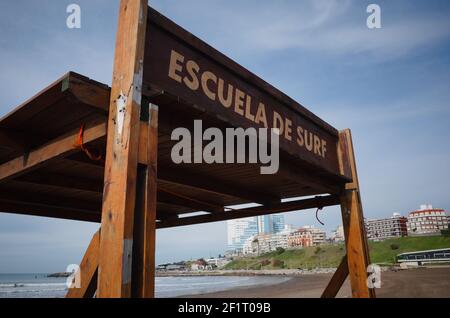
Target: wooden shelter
{"points": [[80, 150]]}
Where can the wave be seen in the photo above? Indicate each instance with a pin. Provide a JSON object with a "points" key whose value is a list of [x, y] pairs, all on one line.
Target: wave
{"points": [[201, 284], [17, 285], [31, 291]]}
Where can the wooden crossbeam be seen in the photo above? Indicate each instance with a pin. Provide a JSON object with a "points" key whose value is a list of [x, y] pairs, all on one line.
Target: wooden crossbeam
{"points": [[289, 172], [251, 212], [12, 141], [22, 202], [183, 177], [88, 271], [25, 197], [62, 181], [171, 198], [35, 209], [337, 280], [70, 183], [45, 155]]}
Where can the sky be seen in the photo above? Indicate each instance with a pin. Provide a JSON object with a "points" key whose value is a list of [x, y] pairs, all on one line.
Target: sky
{"points": [[391, 86]]}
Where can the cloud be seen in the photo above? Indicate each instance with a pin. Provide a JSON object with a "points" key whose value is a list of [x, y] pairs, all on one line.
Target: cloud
{"points": [[373, 114], [331, 27], [393, 41]]}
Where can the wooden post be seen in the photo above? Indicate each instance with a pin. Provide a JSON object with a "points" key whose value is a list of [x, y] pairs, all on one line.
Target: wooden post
{"points": [[358, 257], [116, 242], [143, 279], [88, 272]]}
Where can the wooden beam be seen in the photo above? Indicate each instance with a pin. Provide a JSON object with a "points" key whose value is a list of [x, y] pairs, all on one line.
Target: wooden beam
{"points": [[337, 280], [171, 198], [59, 148], [89, 92], [183, 177], [45, 200], [88, 271], [212, 185], [35, 209], [292, 173], [251, 212], [116, 243], [358, 257], [62, 181], [143, 278], [71, 183], [12, 141]]}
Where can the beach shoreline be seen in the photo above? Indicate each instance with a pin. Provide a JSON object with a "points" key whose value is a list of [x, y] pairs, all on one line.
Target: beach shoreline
{"points": [[248, 273], [412, 283]]}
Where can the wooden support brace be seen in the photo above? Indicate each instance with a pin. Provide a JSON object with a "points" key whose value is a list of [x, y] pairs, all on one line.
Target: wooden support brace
{"points": [[87, 272], [337, 280]]}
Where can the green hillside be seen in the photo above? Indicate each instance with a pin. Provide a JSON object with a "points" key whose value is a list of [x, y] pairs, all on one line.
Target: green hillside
{"points": [[331, 255], [385, 252]]}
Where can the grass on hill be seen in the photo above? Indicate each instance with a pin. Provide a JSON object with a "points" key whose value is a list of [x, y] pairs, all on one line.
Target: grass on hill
{"points": [[310, 257], [386, 251], [331, 255]]}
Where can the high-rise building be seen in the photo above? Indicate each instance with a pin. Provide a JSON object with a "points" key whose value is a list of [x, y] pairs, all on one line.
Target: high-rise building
{"points": [[239, 231], [265, 224], [278, 223], [382, 229], [427, 221], [269, 224]]}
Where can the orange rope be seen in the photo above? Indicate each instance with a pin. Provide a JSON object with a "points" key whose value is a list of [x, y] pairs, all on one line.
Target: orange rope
{"points": [[80, 144]]}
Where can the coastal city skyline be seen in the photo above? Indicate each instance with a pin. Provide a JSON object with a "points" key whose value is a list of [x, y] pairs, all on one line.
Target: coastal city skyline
{"points": [[241, 233], [389, 85]]}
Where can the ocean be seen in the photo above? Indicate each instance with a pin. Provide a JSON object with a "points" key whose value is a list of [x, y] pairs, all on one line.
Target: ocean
{"points": [[41, 286]]}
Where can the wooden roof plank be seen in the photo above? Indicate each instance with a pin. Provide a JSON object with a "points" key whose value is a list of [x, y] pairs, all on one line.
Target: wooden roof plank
{"points": [[209, 184], [53, 150]]}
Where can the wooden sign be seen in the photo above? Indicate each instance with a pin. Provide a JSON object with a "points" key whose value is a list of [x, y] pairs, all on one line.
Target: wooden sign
{"points": [[178, 63]]}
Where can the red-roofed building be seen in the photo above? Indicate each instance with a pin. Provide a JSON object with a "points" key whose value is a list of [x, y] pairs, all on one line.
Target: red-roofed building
{"points": [[427, 221]]}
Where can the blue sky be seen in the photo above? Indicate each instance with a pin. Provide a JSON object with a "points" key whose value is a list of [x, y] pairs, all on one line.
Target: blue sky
{"points": [[390, 86]]}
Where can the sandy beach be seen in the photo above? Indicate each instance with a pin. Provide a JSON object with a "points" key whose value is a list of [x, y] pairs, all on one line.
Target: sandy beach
{"points": [[413, 283]]}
